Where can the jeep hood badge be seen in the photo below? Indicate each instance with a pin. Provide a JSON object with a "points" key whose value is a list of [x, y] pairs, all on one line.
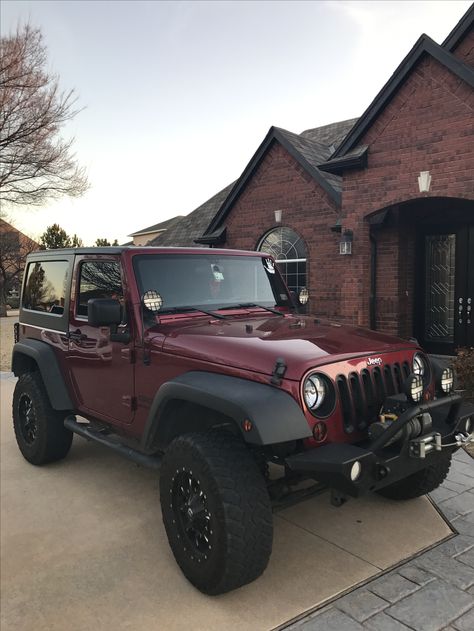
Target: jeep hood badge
{"points": [[374, 361]]}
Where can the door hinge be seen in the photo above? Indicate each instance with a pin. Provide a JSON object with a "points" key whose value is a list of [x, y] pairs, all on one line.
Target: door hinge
{"points": [[130, 402], [128, 354]]}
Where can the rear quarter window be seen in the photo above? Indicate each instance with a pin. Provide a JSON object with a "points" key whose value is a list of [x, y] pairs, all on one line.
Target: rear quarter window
{"points": [[45, 287]]}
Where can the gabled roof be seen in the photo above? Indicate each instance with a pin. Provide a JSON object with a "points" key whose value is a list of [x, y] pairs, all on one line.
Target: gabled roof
{"points": [[192, 226], [330, 135], [306, 151], [164, 225], [460, 30], [424, 45]]}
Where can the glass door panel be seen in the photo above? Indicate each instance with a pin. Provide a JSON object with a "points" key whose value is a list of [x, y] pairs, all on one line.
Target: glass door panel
{"points": [[440, 266]]}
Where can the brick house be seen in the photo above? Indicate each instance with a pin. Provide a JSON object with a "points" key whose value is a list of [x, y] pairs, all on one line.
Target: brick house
{"points": [[153, 233], [14, 247], [375, 216]]}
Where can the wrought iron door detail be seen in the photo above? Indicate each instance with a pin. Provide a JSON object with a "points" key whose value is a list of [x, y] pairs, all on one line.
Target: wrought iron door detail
{"points": [[440, 253]]}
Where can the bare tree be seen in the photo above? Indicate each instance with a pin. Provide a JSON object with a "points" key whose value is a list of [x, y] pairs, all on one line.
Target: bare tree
{"points": [[36, 164]]}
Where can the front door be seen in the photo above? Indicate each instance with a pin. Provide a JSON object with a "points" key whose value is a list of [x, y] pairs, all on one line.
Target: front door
{"points": [[101, 369], [445, 292]]}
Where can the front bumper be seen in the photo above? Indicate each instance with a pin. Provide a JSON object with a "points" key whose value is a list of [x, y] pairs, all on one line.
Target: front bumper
{"points": [[380, 464]]}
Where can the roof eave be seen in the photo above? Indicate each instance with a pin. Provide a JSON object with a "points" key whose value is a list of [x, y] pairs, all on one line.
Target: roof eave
{"points": [[217, 237], [460, 30], [344, 163]]}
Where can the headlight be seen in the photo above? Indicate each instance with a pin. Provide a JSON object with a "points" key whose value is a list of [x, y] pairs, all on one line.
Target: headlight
{"points": [[314, 392], [422, 367], [447, 380], [419, 365], [319, 394], [416, 388]]}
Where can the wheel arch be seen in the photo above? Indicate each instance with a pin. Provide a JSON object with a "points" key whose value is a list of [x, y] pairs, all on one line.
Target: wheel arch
{"points": [[198, 401], [33, 355]]}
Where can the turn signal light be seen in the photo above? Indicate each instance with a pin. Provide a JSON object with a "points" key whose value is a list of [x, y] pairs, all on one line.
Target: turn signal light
{"points": [[320, 431]]}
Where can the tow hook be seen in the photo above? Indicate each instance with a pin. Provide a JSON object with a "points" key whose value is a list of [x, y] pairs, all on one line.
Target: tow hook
{"points": [[462, 439]]}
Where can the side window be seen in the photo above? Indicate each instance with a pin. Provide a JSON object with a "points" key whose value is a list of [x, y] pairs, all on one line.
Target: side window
{"points": [[98, 279], [45, 286]]}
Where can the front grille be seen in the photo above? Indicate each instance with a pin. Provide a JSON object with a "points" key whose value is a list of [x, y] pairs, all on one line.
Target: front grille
{"points": [[362, 394]]}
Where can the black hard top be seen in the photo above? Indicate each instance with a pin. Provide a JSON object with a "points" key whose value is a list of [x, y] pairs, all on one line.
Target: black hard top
{"points": [[142, 249]]}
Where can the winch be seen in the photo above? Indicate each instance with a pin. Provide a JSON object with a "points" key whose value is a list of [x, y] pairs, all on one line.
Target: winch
{"points": [[393, 407]]}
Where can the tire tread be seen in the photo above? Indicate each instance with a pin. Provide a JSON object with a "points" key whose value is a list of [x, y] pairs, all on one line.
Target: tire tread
{"points": [[245, 502]]}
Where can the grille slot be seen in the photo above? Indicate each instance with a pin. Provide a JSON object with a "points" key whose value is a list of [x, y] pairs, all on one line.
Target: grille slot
{"points": [[346, 403], [361, 395]]}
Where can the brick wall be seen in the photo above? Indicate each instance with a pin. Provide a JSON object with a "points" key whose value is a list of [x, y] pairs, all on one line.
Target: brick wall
{"points": [[280, 183], [426, 127]]}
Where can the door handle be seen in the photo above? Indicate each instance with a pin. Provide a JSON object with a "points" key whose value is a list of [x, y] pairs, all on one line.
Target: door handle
{"points": [[76, 336]]}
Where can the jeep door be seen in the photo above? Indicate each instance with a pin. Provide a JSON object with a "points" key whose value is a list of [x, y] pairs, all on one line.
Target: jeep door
{"points": [[102, 371]]}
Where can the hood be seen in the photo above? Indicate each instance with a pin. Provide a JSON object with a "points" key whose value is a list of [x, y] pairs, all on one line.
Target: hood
{"points": [[255, 343]]}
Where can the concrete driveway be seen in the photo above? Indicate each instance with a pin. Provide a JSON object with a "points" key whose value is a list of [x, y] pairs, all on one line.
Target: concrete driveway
{"points": [[83, 547]]}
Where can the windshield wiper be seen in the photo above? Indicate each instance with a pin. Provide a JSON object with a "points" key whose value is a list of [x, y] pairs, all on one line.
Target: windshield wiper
{"points": [[248, 305], [189, 308]]}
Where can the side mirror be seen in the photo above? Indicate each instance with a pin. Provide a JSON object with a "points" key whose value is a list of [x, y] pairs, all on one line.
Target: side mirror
{"points": [[104, 312]]}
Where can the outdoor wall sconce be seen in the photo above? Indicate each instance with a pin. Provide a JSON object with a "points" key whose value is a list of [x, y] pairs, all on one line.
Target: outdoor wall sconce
{"points": [[424, 181], [345, 244], [278, 214]]}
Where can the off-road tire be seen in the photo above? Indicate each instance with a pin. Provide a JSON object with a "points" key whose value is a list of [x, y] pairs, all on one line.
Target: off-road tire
{"points": [[50, 441], [421, 482], [240, 528]]}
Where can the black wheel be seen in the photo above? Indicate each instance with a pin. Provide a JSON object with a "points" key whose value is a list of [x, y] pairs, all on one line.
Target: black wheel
{"points": [[216, 511], [39, 430], [421, 482]]}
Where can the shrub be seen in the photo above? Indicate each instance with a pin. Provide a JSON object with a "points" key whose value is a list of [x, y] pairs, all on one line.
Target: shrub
{"points": [[14, 302], [463, 364]]}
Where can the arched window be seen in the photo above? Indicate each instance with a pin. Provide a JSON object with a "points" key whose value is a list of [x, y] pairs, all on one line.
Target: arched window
{"points": [[289, 251]]}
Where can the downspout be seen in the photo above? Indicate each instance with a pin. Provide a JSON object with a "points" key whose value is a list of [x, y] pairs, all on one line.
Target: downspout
{"points": [[373, 283]]}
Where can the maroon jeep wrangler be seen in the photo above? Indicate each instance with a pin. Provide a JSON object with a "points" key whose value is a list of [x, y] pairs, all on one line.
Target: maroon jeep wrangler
{"points": [[197, 361]]}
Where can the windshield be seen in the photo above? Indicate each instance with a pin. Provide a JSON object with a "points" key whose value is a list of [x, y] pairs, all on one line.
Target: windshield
{"points": [[210, 281]]}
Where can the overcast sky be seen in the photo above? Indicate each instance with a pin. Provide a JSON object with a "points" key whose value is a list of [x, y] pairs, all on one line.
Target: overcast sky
{"points": [[178, 95]]}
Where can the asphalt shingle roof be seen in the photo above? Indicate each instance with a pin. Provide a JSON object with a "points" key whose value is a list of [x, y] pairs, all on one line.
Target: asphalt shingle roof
{"points": [[189, 228], [330, 135], [164, 225], [315, 153]]}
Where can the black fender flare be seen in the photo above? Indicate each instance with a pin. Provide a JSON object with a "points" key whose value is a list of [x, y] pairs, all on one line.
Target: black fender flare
{"points": [[274, 414], [48, 366]]}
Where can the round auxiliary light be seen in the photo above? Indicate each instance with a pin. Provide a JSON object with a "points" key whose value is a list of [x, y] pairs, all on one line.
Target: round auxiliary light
{"points": [[447, 380], [314, 391], [419, 365], [356, 470], [320, 431], [416, 388], [303, 296]]}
